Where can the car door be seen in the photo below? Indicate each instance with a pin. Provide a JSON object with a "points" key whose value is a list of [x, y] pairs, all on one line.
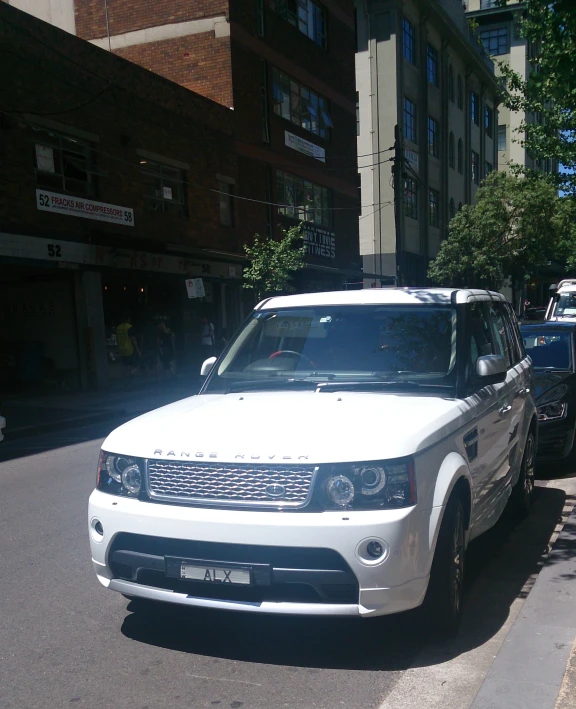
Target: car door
{"points": [[511, 401], [482, 437]]}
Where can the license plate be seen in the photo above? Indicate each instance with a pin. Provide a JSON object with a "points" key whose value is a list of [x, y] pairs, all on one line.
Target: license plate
{"points": [[214, 574]]}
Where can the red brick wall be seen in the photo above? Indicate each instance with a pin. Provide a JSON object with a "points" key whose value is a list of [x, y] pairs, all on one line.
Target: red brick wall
{"points": [[130, 15], [200, 62], [77, 85]]}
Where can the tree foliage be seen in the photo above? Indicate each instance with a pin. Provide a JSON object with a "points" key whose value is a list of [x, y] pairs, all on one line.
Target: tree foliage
{"points": [[274, 262], [516, 225], [548, 95]]}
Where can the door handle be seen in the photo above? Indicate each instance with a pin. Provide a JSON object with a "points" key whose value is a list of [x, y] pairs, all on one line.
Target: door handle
{"points": [[524, 392], [505, 410]]}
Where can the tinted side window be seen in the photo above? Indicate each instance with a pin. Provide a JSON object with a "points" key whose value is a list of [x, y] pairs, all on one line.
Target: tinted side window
{"points": [[498, 323], [479, 339], [516, 332]]}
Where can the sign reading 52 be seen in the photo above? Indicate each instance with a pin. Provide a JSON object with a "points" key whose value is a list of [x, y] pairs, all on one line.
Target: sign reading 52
{"points": [[43, 199], [54, 250]]}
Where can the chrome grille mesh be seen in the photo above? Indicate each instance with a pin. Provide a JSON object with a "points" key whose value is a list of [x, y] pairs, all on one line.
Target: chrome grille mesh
{"points": [[230, 484]]}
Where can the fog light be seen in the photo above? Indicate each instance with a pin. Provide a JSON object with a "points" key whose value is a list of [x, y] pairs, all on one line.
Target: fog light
{"points": [[98, 528], [374, 549]]}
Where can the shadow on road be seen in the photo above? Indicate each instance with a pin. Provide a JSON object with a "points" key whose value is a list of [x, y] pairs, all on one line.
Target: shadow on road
{"points": [[500, 566]]}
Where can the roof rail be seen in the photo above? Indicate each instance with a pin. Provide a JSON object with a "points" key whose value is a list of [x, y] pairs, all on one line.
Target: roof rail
{"points": [[567, 282]]}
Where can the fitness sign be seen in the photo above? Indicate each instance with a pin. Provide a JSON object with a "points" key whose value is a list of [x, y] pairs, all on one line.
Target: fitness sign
{"points": [[86, 208]]}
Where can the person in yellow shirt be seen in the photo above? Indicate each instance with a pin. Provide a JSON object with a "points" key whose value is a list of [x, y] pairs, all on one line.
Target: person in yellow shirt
{"points": [[128, 345]]}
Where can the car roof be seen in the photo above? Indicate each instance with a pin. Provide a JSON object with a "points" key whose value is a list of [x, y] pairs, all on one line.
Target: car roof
{"points": [[549, 325], [381, 296]]}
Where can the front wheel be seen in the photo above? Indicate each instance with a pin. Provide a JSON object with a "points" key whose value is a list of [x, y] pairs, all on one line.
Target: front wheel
{"points": [[443, 603], [523, 492]]}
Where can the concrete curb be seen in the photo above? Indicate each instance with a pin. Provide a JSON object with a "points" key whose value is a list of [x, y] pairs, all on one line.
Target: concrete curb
{"points": [[528, 671]]}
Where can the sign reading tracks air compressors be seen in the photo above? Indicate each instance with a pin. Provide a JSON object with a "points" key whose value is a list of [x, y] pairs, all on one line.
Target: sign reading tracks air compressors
{"points": [[87, 208]]}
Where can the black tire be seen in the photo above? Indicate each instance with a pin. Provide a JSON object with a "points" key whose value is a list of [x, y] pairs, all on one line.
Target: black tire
{"points": [[523, 492], [443, 603]]}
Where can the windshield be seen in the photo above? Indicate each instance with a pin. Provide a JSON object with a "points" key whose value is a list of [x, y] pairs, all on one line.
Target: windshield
{"points": [[548, 349], [566, 306], [367, 345]]}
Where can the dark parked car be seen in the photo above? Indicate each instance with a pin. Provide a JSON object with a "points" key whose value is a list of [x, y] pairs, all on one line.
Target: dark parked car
{"points": [[551, 347]]}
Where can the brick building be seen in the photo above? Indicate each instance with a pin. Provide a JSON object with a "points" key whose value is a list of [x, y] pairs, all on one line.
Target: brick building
{"points": [[111, 196], [286, 67]]}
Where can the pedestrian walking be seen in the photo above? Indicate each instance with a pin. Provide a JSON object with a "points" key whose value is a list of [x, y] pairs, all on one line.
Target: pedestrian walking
{"points": [[128, 348], [207, 340]]}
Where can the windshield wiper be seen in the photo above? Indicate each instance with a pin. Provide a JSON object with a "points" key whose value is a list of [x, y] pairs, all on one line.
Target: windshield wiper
{"points": [[272, 383], [369, 385]]}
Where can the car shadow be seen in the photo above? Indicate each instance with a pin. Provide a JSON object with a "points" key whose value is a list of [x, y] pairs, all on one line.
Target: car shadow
{"points": [[500, 568]]}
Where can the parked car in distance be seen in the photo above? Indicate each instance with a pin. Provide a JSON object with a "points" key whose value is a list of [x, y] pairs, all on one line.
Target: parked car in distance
{"points": [[340, 456], [551, 348], [562, 303]]}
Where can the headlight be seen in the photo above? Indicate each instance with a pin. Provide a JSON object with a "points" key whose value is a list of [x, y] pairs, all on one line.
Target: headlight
{"points": [[367, 486], [555, 410], [119, 475]]}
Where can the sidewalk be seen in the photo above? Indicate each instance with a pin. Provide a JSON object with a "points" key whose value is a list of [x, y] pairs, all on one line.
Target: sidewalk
{"points": [[532, 669], [30, 415]]}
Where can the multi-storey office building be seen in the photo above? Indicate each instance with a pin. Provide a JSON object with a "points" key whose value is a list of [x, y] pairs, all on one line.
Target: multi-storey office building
{"points": [[427, 102], [498, 31], [287, 71]]}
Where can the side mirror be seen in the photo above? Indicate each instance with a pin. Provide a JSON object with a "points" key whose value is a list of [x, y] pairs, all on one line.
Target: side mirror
{"points": [[207, 366], [491, 369]]}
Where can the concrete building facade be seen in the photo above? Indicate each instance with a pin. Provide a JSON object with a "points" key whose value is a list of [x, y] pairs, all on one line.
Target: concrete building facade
{"points": [[427, 103]]}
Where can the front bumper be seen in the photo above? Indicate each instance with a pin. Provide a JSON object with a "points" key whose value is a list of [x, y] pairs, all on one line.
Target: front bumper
{"points": [[312, 558]]}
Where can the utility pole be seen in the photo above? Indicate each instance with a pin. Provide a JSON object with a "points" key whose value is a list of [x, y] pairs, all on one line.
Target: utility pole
{"points": [[398, 174]]}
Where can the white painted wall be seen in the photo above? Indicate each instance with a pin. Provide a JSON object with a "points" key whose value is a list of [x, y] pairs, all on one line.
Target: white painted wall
{"points": [[59, 13]]}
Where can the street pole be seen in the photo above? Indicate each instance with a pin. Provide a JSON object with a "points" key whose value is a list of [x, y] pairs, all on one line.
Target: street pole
{"points": [[397, 171]]}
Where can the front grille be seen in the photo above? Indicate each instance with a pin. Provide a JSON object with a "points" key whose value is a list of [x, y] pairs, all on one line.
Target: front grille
{"points": [[275, 486]]}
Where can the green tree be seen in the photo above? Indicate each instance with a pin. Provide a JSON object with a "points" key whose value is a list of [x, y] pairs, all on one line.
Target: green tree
{"points": [[274, 262], [548, 95], [515, 226]]}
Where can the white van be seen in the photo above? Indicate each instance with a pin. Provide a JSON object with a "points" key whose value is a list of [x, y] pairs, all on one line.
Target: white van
{"points": [[341, 454], [562, 303]]}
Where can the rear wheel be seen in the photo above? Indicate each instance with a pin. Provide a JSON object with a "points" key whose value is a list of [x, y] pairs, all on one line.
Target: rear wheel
{"points": [[523, 492], [443, 603]]}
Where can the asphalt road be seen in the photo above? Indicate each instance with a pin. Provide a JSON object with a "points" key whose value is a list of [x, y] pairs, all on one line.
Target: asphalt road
{"points": [[66, 641]]}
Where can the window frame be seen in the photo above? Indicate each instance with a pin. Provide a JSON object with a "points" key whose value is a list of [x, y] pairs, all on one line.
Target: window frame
{"points": [[410, 198], [432, 73], [226, 189], [288, 98], [67, 151], [474, 108], [460, 156], [496, 39], [296, 18], [433, 132], [475, 167], [413, 123], [167, 205], [505, 133], [489, 121], [408, 41], [433, 208], [459, 93], [452, 151], [320, 214], [451, 90]]}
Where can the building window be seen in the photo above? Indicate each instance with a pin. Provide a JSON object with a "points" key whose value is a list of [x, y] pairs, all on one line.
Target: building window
{"points": [[475, 167], [452, 208], [433, 137], [308, 16], [301, 105], [488, 167], [451, 151], [163, 188], [489, 121], [410, 198], [410, 120], [459, 93], [474, 108], [408, 43], [64, 164], [451, 92], [495, 42], [432, 65], [488, 4], [460, 157], [304, 200], [226, 203], [502, 139], [433, 218]]}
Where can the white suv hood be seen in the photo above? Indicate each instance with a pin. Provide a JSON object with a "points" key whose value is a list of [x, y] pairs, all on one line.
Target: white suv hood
{"points": [[278, 427]]}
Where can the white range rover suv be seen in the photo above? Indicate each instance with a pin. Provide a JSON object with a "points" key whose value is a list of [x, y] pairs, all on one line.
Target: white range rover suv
{"points": [[341, 454]]}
